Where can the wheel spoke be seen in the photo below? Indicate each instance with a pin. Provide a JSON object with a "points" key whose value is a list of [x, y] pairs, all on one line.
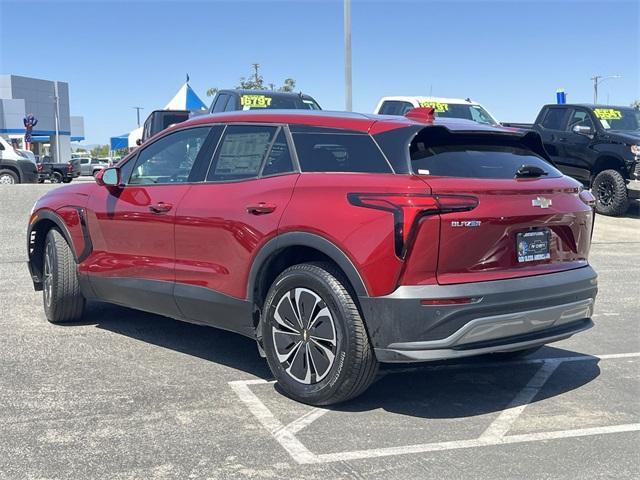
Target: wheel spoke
{"points": [[284, 313], [306, 302]]}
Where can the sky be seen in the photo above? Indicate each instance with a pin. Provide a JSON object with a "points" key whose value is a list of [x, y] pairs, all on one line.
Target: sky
{"points": [[511, 56]]}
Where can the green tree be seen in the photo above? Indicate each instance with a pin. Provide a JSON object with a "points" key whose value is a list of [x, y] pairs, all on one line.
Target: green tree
{"points": [[256, 82], [100, 151]]}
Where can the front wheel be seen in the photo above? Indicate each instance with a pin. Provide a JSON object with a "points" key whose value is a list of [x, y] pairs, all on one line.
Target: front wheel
{"points": [[610, 191], [63, 300], [7, 177], [314, 337]]}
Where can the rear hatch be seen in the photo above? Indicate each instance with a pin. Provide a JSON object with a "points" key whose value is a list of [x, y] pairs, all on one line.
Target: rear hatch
{"points": [[529, 220]]}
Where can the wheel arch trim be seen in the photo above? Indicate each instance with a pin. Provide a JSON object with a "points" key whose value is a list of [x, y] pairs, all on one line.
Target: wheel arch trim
{"points": [[305, 239]]}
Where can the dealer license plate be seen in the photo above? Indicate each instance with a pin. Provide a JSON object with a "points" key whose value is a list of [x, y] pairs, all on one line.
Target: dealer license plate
{"points": [[533, 246]]}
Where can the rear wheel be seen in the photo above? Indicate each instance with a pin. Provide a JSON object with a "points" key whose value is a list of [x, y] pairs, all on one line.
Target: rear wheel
{"points": [[314, 338], [610, 191], [63, 300], [66, 180], [56, 177], [7, 177]]}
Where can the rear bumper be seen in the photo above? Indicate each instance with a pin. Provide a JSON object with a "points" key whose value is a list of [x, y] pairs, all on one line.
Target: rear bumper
{"points": [[505, 315], [633, 188]]}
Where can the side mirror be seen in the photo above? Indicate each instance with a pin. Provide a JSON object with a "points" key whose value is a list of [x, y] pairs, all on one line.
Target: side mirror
{"points": [[138, 142], [583, 130], [108, 177]]}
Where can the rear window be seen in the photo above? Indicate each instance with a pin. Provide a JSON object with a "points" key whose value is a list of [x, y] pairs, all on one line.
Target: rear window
{"points": [[555, 118], [472, 156], [334, 152]]}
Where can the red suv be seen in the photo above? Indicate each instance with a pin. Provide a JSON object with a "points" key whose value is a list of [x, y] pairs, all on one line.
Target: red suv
{"points": [[336, 240]]}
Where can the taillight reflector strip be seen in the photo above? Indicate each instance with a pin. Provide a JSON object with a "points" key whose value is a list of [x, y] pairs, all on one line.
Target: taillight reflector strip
{"points": [[407, 208]]}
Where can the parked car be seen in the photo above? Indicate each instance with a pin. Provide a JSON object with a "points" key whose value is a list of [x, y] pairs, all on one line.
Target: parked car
{"points": [[465, 109], [91, 166], [60, 172], [238, 99], [596, 144], [16, 166], [227, 101], [335, 240]]}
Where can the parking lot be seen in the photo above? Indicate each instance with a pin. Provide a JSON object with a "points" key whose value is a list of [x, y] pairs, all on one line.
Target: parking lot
{"points": [[126, 394]]}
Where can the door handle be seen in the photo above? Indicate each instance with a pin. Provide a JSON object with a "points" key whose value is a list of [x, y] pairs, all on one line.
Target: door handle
{"points": [[160, 207], [562, 139], [261, 208]]}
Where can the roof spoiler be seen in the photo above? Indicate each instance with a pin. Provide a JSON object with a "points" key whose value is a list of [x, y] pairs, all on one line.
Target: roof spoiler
{"points": [[421, 114]]}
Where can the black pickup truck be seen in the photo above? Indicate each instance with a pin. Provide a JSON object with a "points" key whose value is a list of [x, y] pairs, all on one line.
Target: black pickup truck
{"points": [[57, 172], [596, 144]]}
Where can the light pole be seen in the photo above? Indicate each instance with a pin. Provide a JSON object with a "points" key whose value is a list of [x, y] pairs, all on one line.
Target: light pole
{"points": [[348, 105], [137, 109], [597, 80], [57, 118]]}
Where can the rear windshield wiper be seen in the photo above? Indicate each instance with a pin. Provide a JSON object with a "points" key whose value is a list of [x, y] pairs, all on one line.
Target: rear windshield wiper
{"points": [[530, 171]]}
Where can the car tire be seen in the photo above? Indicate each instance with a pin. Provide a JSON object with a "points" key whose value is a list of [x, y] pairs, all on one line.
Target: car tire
{"points": [[62, 298], [325, 357], [514, 355], [610, 190], [40, 180], [66, 180], [8, 177], [56, 177]]}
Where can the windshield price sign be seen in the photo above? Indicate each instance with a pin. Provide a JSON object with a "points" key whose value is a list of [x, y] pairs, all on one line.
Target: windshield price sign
{"points": [[255, 101], [437, 106], [608, 114]]}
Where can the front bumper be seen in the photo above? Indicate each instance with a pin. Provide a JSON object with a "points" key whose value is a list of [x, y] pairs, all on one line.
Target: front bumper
{"points": [[505, 315], [633, 188]]}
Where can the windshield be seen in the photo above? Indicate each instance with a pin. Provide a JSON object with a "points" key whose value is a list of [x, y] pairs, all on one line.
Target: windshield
{"points": [[464, 111], [623, 119], [276, 102]]}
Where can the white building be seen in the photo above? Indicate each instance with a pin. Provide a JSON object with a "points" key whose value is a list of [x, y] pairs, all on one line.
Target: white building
{"points": [[56, 128]]}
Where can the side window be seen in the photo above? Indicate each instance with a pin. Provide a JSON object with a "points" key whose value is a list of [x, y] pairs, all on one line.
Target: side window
{"points": [[555, 118], [279, 158], [221, 102], [581, 118], [169, 159], [231, 104], [241, 151], [84, 161], [339, 152], [395, 107]]}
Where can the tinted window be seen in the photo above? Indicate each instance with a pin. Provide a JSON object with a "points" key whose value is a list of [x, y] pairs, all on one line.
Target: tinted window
{"points": [[332, 152], [84, 161], [395, 107], [241, 151], [473, 157], [579, 118], [279, 158], [169, 159], [555, 118], [221, 102], [231, 104]]}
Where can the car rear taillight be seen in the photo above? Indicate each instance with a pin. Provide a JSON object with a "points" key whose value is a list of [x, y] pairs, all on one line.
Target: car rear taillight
{"points": [[39, 167], [69, 167], [408, 208], [587, 197]]}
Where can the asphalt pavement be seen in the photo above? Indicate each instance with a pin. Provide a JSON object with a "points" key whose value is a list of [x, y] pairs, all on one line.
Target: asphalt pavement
{"points": [[126, 394]]}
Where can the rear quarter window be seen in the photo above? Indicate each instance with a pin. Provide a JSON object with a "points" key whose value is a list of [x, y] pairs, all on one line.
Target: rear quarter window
{"points": [[336, 152]]}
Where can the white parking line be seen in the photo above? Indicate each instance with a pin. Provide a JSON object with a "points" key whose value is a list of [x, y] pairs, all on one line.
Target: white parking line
{"points": [[495, 434], [501, 425]]}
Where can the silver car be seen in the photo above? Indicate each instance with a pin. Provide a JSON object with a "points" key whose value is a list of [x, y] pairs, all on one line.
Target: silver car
{"points": [[91, 166]]}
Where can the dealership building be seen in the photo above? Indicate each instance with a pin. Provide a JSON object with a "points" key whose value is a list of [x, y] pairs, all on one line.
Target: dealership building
{"points": [[48, 102]]}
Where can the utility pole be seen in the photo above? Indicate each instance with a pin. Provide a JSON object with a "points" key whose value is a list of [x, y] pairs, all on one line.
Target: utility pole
{"points": [[57, 125], [348, 104], [255, 66], [597, 80], [137, 109]]}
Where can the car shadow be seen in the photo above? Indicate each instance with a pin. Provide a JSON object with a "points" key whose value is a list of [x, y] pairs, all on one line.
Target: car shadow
{"points": [[210, 344], [469, 387], [452, 389]]}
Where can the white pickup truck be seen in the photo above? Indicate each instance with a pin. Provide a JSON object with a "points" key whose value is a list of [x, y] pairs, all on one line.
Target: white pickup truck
{"points": [[444, 107]]}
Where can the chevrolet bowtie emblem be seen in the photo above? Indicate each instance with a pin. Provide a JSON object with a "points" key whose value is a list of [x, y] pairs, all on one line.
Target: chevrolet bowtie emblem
{"points": [[542, 202]]}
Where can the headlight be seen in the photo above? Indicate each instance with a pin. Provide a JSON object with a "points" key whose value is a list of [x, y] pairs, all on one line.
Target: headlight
{"points": [[635, 149]]}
